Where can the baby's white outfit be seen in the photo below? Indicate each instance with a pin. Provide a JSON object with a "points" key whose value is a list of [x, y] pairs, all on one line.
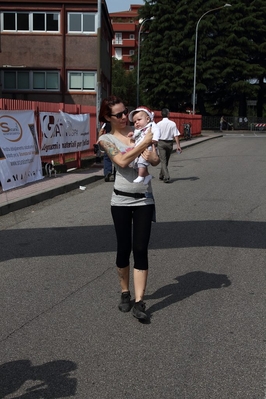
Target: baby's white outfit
{"points": [[138, 136]]}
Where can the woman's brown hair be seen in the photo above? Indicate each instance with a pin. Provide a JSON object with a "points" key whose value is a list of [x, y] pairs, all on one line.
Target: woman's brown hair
{"points": [[106, 107]]}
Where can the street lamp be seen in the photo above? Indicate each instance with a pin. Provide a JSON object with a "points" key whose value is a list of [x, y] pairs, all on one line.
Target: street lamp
{"points": [[140, 28], [196, 48]]}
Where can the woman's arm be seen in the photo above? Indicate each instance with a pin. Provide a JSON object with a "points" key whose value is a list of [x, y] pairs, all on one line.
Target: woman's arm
{"points": [[124, 159], [151, 156]]}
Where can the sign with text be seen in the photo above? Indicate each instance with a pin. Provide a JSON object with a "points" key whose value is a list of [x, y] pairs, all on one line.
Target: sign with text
{"points": [[63, 133], [20, 160]]}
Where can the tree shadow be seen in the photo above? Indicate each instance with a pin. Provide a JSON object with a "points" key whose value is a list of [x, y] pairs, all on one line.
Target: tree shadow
{"points": [[58, 241], [186, 285], [49, 381]]}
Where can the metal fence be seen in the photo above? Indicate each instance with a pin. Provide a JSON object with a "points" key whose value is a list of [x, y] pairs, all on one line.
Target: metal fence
{"points": [[234, 123]]}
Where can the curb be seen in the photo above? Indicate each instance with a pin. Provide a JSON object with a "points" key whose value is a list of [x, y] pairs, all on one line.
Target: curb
{"points": [[34, 199]]}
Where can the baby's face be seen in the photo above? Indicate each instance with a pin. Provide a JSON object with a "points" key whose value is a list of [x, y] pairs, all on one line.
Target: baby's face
{"points": [[140, 120]]}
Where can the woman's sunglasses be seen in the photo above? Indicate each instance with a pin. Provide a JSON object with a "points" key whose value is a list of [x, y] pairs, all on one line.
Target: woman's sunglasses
{"points": [[120, 114]]}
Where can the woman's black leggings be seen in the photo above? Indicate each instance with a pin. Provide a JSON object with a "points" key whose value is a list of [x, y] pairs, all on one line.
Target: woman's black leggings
{"points": [[140, 217]]}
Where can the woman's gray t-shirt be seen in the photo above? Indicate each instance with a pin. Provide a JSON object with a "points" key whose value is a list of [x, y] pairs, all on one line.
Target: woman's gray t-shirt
{"points": [[124, 179]]}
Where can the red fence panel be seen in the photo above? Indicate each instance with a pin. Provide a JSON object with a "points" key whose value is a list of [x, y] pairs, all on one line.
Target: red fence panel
{"points": [[74, 159], [181, 119]]}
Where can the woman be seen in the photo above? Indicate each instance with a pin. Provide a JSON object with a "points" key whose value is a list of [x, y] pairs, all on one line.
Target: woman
{"points": [[131, 203]]}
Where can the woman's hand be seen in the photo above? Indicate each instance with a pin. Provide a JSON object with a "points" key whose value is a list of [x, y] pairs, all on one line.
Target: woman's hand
{"points": [[125, 158], [151, 156], [148, 137], [102, 131]]}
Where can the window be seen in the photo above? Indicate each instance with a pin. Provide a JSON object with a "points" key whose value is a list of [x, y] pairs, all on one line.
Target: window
{"points": [[38, 22], [23, 80], [39, 80], [31, 21], [131, 67], [23, 21], [82, 23], [52, 81], [82, 81], [52, 22], [118, 38], [48, 22], [131, 52], [13, 21], [30, 80], [9, 21], [131, 36], [118, 53], [45, 81], [10, 80]]}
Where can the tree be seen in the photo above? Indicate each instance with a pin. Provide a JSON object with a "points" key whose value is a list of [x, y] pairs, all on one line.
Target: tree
{"points": [[123, 82], [231, 54]]}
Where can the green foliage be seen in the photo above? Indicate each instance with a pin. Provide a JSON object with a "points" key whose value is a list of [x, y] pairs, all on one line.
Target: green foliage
{"points": [[123, 82], [231, 52]]}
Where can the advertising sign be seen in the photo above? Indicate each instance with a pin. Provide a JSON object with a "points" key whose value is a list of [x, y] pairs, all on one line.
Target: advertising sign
{"points": [[63, 133], [20, 160]]}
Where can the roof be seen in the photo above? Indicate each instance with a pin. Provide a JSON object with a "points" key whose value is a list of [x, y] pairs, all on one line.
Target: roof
{"points": [[132, 12]]}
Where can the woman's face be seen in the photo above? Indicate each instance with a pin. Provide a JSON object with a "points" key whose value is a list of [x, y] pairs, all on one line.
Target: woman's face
{"points": [[119, 115]]}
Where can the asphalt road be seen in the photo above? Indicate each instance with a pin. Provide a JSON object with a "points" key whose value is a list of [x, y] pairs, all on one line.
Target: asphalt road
{"points": [[61, 333]]}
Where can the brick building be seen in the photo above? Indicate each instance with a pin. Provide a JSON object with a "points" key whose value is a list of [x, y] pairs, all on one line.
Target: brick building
{"points": [[125, 43], [55, 51]]}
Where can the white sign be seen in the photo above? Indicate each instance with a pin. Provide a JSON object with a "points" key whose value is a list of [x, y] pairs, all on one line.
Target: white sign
{"points": [[63, 133], [20, 160]]}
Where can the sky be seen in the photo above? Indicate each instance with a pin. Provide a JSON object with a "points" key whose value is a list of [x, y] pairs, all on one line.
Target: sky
{"points": [[121, 5]]}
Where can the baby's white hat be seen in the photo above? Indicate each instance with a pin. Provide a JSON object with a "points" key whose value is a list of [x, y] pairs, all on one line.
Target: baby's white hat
{"points": [[141, 108]]}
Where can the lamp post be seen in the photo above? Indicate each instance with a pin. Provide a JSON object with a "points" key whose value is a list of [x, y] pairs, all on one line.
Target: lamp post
{"points": [[196, 48], [140, 28]]}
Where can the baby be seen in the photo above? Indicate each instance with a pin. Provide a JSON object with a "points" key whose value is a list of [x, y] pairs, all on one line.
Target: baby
{"points": [[142, 118]]}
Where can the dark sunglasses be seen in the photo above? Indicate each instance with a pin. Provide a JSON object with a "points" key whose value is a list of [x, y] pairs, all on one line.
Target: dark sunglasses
{"points": [[120, 114]]}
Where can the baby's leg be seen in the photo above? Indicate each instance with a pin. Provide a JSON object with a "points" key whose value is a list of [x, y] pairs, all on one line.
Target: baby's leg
{"points": [[142, 170], [143, 174]]}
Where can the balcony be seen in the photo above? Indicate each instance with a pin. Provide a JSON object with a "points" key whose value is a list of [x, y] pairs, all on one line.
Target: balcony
{"points": [[128, 59], [124, 27], [125, 43]]}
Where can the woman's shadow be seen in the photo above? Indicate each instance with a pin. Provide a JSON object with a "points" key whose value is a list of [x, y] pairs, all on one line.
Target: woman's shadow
{"points": [[187, 285]]}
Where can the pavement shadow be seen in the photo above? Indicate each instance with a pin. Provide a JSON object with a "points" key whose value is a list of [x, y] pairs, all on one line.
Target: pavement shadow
{"points": [[58, 241], [192, 178], [49, 381], [186, 285]]}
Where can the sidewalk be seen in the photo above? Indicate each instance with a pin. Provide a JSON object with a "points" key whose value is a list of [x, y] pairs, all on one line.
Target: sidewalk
{"points": [[47, 188]]}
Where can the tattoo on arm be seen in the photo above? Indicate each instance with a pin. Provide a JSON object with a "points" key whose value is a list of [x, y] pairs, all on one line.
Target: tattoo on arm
{"points": [[110, 149]]}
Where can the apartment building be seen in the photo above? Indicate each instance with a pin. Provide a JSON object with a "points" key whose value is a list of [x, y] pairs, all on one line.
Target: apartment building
{"points": [[55, 51], [125, 43]]}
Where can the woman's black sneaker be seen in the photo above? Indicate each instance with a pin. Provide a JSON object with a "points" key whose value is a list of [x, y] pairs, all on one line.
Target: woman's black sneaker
{"points": [[125, 305], [139, 311]]}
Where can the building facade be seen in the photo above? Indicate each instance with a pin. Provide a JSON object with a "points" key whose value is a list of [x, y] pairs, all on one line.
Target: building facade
{"points": [[55, 51], [125, 43]]}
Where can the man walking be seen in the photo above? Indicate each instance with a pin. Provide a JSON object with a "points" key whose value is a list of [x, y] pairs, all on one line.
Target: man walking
{"points": [[169, 132]]}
